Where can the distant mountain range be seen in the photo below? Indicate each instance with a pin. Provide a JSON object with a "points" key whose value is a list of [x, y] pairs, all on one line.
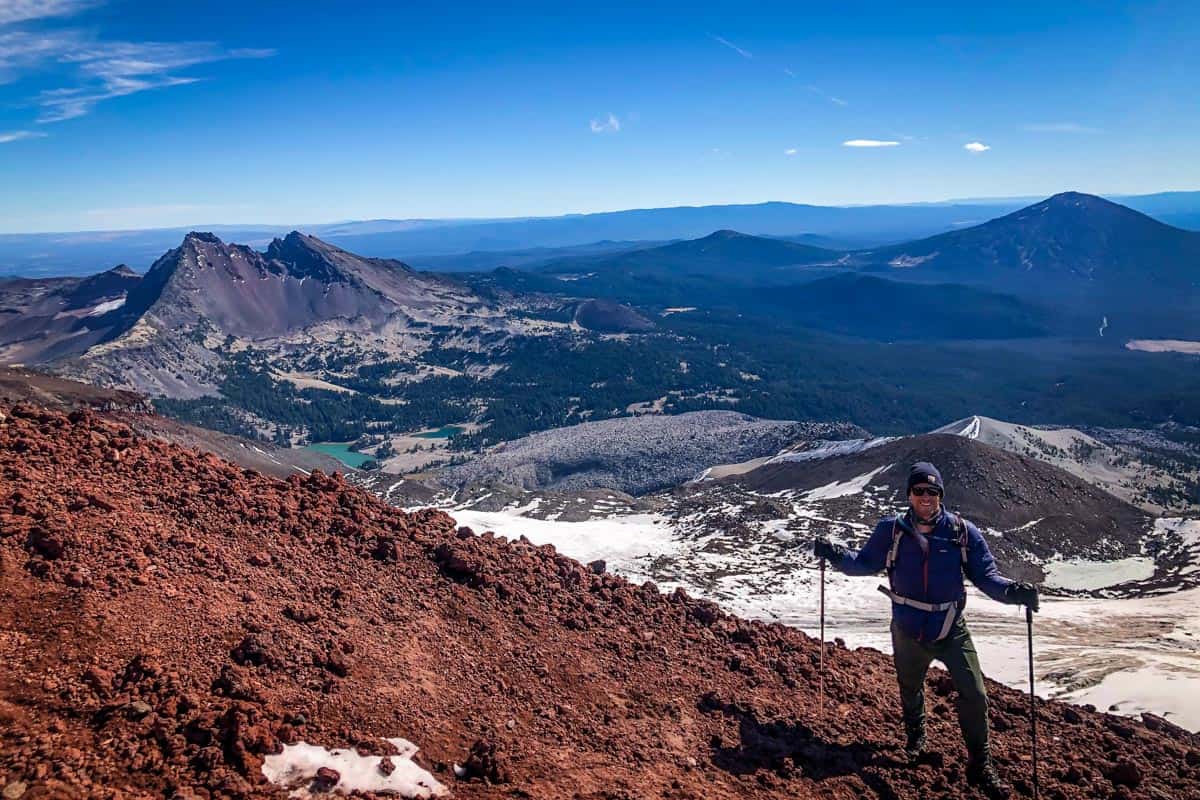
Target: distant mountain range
{"points": [[304, 340], [824, 226], [1072, 263], [726, 255]]}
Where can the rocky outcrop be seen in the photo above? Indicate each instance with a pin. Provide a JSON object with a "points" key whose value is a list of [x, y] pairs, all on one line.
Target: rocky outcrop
{"points": [[637, 454]]}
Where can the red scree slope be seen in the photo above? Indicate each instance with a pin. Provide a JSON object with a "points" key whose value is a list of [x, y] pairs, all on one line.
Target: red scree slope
{"points": [[167, 619]]}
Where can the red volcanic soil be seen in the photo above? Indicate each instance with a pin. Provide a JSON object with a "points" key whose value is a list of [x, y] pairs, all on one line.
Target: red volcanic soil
{"points": [[168, 618]]}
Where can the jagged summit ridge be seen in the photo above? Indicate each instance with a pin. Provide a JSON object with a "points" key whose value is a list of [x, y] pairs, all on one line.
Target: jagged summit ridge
{"points": [[206, 294]]}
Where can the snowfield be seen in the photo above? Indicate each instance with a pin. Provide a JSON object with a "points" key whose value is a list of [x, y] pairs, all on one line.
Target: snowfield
{"points": [[1125, 655], [1081, 574]]}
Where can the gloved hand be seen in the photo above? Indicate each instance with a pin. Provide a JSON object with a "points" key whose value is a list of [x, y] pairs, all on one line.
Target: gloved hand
{"points": [[1021, 593], [823, 548]]}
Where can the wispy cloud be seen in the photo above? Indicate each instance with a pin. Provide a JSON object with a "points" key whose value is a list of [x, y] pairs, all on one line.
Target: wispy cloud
{"points": [[791, 151], [94, 69], [107, 70], [976, 147], [1060, 127], [609, 124], [16, 136], [869, 143], [817, 90], [22, 51], [25, 10], [743, 53]]}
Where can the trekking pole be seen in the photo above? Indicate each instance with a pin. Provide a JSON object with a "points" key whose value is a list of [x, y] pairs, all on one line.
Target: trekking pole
{"points": [[821, 663], [1032, 708]]}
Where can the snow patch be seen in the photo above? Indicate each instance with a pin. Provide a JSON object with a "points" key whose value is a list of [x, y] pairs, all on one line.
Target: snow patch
{"points": [[1164, 346], [838, 489], [906, 261], [107, 306], [830, 449], [296, 767], [972, 429], [632, 540]]}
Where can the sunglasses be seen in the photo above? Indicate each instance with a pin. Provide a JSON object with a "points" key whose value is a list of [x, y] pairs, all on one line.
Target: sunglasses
{"points": [[925, 491]]}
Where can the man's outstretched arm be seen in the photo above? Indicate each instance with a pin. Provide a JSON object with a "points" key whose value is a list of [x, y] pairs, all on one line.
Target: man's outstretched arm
{"points": [[982, 570], [867, 561]]}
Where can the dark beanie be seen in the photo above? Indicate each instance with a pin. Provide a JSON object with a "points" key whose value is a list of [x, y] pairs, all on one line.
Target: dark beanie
{"points": [[924, 472]]}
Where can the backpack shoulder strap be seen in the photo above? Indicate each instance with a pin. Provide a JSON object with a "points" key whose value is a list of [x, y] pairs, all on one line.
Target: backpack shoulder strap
{"points": [[960, 529], [895, 549]]}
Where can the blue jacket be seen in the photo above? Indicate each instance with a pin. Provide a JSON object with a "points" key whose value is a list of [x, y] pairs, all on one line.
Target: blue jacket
{"points": [[933, 578]]}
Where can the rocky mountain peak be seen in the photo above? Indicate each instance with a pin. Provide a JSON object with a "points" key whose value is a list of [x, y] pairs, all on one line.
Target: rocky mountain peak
{"points": [[202, 236], [1070, 210], [1089, 246], [308, 257]]}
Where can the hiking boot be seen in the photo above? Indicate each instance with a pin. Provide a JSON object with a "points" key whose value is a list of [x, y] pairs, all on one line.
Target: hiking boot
{"points": [[914, 746], [982, 775]]}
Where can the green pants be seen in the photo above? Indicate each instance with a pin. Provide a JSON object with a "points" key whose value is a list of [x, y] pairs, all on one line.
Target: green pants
{"points": [[957, 652]]}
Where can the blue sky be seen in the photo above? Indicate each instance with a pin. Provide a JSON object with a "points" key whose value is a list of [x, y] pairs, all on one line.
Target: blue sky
{"points": [[126, 114]]}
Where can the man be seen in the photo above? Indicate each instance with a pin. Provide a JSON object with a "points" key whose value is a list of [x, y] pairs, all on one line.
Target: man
{"points": [[926, 551]]}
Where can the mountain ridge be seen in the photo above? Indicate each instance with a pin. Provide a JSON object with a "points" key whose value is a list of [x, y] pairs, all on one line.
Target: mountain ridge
{"points": [[40, 254], [723, 254]]}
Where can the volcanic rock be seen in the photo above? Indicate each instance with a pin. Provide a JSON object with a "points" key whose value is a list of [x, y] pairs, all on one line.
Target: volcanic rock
{"points": [[1125, 773], [430, 649], [326, 779]]}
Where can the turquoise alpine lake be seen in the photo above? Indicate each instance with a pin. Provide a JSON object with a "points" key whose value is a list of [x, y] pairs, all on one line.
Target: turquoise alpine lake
{"points": [[342, 452]]}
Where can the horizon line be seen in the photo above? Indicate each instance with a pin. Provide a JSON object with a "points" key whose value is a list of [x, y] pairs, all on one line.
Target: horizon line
{"points": [[291, 226]]}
